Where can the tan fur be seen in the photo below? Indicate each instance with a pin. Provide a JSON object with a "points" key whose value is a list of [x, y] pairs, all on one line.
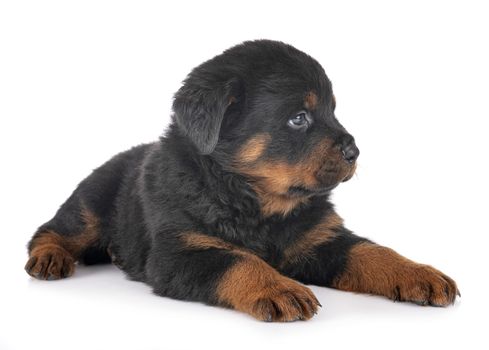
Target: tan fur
{"points": [[254, 287], [253, 148], [319, 234], [379, 270], [53, 255], [311, 101], [352, 171], [73, 244], [271, 179], [196, 240], [278, 204]]}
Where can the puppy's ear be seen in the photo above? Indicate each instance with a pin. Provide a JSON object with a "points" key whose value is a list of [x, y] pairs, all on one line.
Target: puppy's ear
{"points": [[200, 106]]}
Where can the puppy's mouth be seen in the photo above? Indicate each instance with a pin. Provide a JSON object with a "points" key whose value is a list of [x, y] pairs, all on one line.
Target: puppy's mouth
{"points": [[351, 172], [321, 190], [348, 177]]}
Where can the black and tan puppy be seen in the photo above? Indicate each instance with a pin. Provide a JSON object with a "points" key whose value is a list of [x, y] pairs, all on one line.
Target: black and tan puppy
{"points": [[231, 206]]}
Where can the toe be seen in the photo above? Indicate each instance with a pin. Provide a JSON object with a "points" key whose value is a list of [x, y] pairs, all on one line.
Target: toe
{"points": [[50, 266]]}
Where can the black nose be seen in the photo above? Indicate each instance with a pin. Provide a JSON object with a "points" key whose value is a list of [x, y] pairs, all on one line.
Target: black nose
{"points": [[350, 151]]}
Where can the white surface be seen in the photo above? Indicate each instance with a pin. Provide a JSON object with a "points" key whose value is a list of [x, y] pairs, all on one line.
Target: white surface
{"points": [[81, 82]]}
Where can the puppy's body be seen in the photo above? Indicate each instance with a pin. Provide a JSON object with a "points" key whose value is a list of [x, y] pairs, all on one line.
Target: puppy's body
{"points": [[231, 206]]}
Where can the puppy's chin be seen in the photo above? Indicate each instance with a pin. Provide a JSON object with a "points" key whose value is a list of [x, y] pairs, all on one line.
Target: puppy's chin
{"points": [[350, 173], [348, 177]]}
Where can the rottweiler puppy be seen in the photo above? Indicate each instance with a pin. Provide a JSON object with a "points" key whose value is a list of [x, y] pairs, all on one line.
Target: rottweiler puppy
{"points": [[231, 206]]}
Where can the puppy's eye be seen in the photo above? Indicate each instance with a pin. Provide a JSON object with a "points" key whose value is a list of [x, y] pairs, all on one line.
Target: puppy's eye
{"points": [[299, 121]]}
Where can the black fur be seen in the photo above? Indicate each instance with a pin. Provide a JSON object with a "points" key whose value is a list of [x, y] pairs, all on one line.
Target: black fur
{"points": [[147, 197]]}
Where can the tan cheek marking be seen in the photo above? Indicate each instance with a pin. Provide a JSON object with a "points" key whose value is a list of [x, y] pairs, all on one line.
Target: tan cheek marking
{"points": [[318, 235], [278, 176], [271, 179], [253, 148], [271, 183]]}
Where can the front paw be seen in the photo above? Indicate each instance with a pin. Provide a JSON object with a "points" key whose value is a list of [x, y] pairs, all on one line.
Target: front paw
{"points": [[286, 302], [254, 287], [424, 285]]}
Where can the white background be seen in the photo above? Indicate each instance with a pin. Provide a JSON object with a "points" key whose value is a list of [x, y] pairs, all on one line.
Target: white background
{"points": [[81, 81]]}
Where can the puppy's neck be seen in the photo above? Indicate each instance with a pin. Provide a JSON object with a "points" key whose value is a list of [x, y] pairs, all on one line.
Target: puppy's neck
{"points": [[277, 204]]}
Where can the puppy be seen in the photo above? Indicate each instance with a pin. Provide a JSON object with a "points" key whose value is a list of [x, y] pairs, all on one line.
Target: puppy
{"points": [[231, 206]]}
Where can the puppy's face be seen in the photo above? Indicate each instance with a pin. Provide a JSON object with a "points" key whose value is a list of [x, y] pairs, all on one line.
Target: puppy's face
{"points": [[295, 145], [278, 125]]}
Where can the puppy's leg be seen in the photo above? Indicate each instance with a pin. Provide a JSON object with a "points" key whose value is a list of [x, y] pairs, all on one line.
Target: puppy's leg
{"points": [[331, 255], [207, 269], [374, 269], [82, 228], [58, 244]]}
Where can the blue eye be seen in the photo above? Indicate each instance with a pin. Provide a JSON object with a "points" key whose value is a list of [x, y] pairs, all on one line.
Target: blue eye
{"points": [[299, 121]]}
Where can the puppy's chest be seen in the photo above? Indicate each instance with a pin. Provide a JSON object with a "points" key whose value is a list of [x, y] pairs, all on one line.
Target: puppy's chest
{"points": [[267, 239]]}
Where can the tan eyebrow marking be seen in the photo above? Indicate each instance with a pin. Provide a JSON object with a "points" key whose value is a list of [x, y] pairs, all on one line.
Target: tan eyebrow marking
{"points": [[311, 101]]}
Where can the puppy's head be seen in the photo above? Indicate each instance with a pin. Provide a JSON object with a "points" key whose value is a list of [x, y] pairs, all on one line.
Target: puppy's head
{"points": [[266, 110]]}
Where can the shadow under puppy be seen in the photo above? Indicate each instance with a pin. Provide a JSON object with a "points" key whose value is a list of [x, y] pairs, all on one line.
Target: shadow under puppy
{"points": [[230, 207]]}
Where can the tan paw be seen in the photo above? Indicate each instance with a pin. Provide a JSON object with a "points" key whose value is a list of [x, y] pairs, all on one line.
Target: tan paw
{"points": [[50, 262], [289, 302], [254, 287], [424, 285]]}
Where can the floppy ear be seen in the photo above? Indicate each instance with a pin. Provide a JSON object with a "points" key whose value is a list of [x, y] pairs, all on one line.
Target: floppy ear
{"points": [[200, 105]]}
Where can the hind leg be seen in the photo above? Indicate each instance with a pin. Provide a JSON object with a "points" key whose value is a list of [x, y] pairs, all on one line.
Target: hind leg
{"points": [[57, 245]]}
